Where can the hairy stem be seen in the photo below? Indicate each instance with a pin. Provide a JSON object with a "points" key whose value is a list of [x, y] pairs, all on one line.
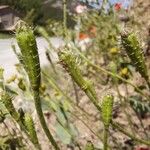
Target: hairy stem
{"points": [[42, 120], [105, 138]]}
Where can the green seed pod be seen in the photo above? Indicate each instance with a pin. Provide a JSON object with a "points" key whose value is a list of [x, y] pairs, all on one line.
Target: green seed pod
{"points": [[7, 101], [27, 44], [135, 53], [69, 62], [29, 125], [107, 108]]}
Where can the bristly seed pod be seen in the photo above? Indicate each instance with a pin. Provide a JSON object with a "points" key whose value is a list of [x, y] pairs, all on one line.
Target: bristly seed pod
{"points": [[7, 101], [135, 53], [107, 108], [29, 125], [27, 44], [68, 61]]}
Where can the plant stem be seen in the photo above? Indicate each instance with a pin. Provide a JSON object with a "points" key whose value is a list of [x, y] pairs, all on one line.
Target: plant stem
{"points": [[117, 126], [50, 61], [42, 120], [68, 61], [54, 85], [100, 69], [123, 105], [105, 138]]}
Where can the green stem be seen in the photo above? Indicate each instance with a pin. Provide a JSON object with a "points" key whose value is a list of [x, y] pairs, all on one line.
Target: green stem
{"points": [[42, 120], [118, 127], [123, 105], [51, 62], [100, 69], [54, 85], [22, 127], [69, 64], [105, 138]]}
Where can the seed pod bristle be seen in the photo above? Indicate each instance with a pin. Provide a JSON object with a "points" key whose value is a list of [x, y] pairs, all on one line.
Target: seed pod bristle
{"points": [[27, 44], [135, 53], [68, 61], [107, 108], [7, 101], [29, 125]]}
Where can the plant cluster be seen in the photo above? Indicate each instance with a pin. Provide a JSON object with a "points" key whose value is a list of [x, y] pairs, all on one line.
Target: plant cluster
{"points": [[91, 59]]}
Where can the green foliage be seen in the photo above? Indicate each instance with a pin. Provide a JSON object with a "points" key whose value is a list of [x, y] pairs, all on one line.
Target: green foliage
{"points": [[107, 30], [141, 108], [57, 95]]}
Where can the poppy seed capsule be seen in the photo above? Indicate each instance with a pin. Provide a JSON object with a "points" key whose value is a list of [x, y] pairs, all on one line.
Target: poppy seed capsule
{"points": [[135, 53], [27, 44]]}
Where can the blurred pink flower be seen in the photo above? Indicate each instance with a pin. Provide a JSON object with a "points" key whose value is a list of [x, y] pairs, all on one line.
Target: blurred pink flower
{"points": [[80, 9], [118, 6]]}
